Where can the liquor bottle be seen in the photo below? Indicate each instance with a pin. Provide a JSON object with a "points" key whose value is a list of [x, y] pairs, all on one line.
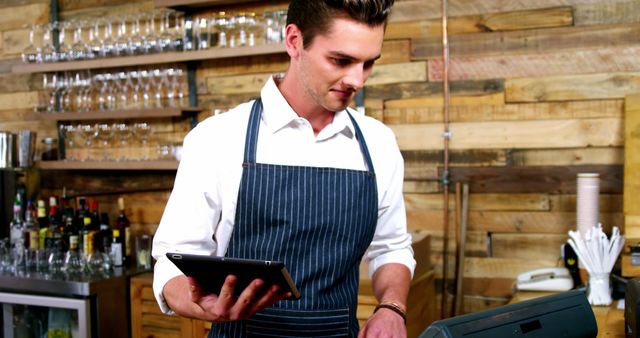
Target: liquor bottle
{"points": [[43, 223], [102, 240], [124, 227], [86, 237], [95, 215], [30, 228], [17, 224], [116, 248]]}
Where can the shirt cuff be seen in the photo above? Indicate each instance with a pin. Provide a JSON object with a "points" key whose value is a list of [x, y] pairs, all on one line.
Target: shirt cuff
{"points": [[403, 256], [163, 271]]}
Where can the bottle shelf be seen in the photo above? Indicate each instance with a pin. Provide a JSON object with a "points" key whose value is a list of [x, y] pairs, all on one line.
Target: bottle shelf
{"points": [[118, 114], [150, 59], [196, 3], [106, 165]]}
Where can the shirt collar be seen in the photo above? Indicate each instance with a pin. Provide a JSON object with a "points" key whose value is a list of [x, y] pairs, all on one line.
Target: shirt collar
{"points": [[278, 114]]}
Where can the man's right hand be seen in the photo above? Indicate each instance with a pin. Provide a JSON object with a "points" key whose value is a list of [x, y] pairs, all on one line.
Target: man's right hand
{"points": [[185, 297]]}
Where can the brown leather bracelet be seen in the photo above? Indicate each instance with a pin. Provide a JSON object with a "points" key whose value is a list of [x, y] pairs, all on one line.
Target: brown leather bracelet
{"points": [[393, 307]]}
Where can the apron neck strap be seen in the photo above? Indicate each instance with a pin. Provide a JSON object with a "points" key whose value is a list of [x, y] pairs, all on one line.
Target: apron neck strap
{"points": [[251, 140]]}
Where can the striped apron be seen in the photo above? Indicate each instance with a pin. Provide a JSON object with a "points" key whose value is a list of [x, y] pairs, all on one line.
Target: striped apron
{"points": [[319, 221]]}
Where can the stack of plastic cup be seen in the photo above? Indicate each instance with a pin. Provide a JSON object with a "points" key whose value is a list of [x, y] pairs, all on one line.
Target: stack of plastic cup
{"points": [[587, 209]]}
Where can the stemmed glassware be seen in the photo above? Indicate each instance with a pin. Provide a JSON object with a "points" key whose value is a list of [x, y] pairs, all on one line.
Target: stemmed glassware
{"points": [[165, 38], [31, 53], [142, 131], [48, 52], [105, 132], [109, 44], [123, 132], [122, 39], [94, 46], [88, 133], [136, 41], [63, 42], [69, 132], [78, 50]]}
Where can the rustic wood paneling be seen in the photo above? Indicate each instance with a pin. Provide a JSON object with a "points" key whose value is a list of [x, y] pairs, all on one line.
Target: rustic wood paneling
{"points": [[506, 112], [572, 87], [530, 41], [529, 222], [416, 9], [606, 12], [490, 22], [513, 135], [13, 17], [552, 179], [584, 61], [484, 201], [575, 156], [421, 89]]}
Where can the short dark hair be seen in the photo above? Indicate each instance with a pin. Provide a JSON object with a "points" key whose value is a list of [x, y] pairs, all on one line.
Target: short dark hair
{"points": [[313, 17]]}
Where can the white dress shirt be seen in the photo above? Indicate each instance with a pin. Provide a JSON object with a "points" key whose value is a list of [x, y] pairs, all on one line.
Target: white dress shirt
{"points": [[200, 213]]}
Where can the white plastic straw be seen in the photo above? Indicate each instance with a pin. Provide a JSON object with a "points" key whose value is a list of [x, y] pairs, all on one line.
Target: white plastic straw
{"points": [[598, 255]]}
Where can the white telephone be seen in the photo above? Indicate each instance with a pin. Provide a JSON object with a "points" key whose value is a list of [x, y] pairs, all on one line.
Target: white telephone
{"points": [[545, 279]]}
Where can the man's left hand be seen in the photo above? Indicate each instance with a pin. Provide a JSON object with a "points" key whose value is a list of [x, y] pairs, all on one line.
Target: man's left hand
{"points": [[384, 324]]}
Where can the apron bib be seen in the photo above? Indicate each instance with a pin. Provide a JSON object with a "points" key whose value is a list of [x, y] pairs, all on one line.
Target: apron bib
{"points": [[319, 222]]}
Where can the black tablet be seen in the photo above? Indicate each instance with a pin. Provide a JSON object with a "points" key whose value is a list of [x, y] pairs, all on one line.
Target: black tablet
{"points": [[211, 271]]}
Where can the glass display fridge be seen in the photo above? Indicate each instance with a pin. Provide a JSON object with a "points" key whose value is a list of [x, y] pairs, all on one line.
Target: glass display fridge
{"points": [[41, 305]]}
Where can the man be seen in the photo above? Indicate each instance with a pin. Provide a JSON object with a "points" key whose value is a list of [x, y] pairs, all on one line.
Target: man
{"points": [[296, 177]]}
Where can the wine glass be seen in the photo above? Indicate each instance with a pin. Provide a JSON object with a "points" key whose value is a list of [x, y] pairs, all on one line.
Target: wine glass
{"points": [[88, 133], [111, 90], [77, 50], [178, 33], [88, 92], [135, 88], [103, 91], [144, 79], [108, 41], [94, 45], [120, 81], [68, 132], [231, 29], [164, 38], [64, 45], [123, 132], [49, 97], [136, 40], [142, 131], [64, 89], [48, 52], [56, 259], [122, 39], [149, 39], [31, 53], [159, 81], [104, 132]]}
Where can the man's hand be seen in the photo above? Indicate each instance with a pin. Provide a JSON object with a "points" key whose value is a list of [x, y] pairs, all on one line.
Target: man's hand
{"points": [[384, 323], [185, 297]]}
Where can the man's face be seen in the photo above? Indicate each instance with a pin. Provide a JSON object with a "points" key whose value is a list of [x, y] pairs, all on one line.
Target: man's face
{"points": [[336, 64]]}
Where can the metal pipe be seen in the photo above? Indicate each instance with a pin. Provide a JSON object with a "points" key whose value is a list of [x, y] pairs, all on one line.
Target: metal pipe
{"points": [[445, 174]]}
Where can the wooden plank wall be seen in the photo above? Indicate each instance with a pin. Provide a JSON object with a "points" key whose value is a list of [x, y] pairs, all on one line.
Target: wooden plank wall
{"points": [[537, 91]]}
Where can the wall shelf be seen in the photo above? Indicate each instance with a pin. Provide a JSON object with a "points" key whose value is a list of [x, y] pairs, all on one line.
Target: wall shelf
{"points": [[150, 59], [106, 165], [118, 114], [196, 3]]}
